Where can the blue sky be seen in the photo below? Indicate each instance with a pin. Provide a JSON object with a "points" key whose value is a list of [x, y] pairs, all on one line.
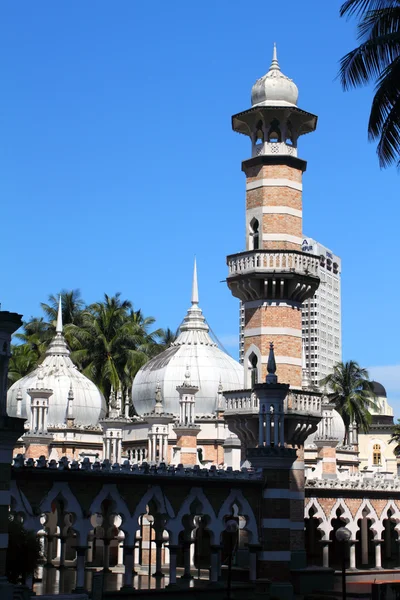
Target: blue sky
{"points": [[119, 163]]}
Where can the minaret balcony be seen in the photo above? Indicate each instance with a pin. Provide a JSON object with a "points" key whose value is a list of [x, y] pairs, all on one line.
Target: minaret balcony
{"points": [[274, 149], [296, 402], [273, 274]]}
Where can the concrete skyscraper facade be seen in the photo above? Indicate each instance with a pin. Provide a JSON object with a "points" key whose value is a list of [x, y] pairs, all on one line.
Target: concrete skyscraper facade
{"points": [[321, 315]]}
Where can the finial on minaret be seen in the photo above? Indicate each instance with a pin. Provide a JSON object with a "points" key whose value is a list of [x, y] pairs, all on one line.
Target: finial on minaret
{"points": [[119, 398], [126, 405], [271, 365], [19, 402], [274, 63], [59, 326], [195, 287], [187, 376]]}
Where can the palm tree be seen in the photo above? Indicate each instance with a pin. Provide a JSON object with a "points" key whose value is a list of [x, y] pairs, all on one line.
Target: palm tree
{"points": [[23, 360], [352, 393], [167, 337], [377, 60], [396, 437], [112, 343], [72, 307]]}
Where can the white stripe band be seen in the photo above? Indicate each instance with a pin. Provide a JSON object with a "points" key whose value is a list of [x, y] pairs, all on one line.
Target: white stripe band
{"points": [[253, 185], [272, 331], [266, 303], [282, 237], [273, 210], [284, 360]]}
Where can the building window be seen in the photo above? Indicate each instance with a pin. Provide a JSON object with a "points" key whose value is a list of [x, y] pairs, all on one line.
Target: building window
{"points": [[377, 455]]}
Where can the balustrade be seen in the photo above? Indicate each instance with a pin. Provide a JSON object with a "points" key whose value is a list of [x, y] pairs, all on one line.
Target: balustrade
{"points": [[272, 260]]}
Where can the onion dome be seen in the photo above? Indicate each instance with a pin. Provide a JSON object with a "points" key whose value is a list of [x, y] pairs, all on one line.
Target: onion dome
{"points": [[379, 390], [337, 429], [274, 88], [209, 366], [58, 373]]}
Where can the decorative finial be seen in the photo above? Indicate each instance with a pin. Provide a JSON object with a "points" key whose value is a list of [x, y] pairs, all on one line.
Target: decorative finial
{"points": [[70, 392], [59, 326], [187, 375], [19, 394], [158, 393], [195, 287], [274, 63], [40, 377], [271, 366], [220, 386]]}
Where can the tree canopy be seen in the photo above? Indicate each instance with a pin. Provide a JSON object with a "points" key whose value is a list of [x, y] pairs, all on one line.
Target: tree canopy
{"points": [[377, 60], [109, 340], [352, 393]]}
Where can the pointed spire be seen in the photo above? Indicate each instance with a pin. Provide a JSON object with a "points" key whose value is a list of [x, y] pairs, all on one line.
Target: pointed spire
{"points": [[59, 326], [274, 63], [271, 366], [195, 287], [70, 412]]}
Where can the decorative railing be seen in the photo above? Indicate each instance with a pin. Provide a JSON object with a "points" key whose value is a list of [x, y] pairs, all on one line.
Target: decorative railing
{"points": [[241, 401], [298, 401], [105, 466], [274, 148], [274, 261]]}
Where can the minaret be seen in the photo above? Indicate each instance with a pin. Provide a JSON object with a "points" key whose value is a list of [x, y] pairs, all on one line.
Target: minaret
{"points": [[273, 276], [187, 430]]}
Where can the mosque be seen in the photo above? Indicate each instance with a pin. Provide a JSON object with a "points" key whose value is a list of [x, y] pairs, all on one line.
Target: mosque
{"points": [[209, 437]]}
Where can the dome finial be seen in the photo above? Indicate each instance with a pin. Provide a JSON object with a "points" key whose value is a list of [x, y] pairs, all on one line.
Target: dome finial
{"points": [[195, 287], [274, 63], [271, 365], [59, 326]]}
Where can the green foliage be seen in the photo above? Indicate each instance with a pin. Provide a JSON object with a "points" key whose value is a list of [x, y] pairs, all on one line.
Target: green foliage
{"points": [[396, 438], [23, 552], [377, 60], [352, 393], [109, 340]]}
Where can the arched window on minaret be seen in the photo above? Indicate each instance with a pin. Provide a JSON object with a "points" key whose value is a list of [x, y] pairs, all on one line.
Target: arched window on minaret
{"points": [[254, 234], [253, 365], [274, 133], [289, 134], [259, 138]]}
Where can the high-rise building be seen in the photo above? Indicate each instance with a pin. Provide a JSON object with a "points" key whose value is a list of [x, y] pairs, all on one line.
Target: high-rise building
{"points": [[321, 315]]}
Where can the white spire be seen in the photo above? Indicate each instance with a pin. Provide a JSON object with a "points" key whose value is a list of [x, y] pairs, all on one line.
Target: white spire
{"points": [[59, 326], [274, 63], [195, 287]]}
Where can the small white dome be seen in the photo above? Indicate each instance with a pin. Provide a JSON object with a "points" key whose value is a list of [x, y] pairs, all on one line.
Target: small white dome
{"points": [[274, 88], [210, 368], [58, 373], [337, 430]]}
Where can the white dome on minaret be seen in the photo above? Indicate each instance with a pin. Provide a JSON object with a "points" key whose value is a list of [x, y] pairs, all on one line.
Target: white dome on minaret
{"points": [[193, 350], [274, 88], [58, 373]]}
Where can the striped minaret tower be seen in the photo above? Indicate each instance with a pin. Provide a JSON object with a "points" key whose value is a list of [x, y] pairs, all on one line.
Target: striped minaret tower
{"points": [[273, 276]]}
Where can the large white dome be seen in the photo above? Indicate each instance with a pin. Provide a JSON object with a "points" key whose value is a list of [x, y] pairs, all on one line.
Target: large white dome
{"points": [[209, 368], [58, 373]]}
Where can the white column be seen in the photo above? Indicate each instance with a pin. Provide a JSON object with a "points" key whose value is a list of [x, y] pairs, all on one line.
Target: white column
{"points": [[120, 558], [46, 411], [352, 555], [325, 553], [364, 541], [165, 453], [378, 557], [34, 418], [107, 447], [148, 448], [153, 447], [388, 540]]}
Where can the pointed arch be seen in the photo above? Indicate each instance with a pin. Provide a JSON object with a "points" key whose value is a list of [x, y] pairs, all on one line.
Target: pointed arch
{"points": [[249, 366], [324, 524], [236, 497], [175, 525], [377, 524], [22, 505], [345, 516]]}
